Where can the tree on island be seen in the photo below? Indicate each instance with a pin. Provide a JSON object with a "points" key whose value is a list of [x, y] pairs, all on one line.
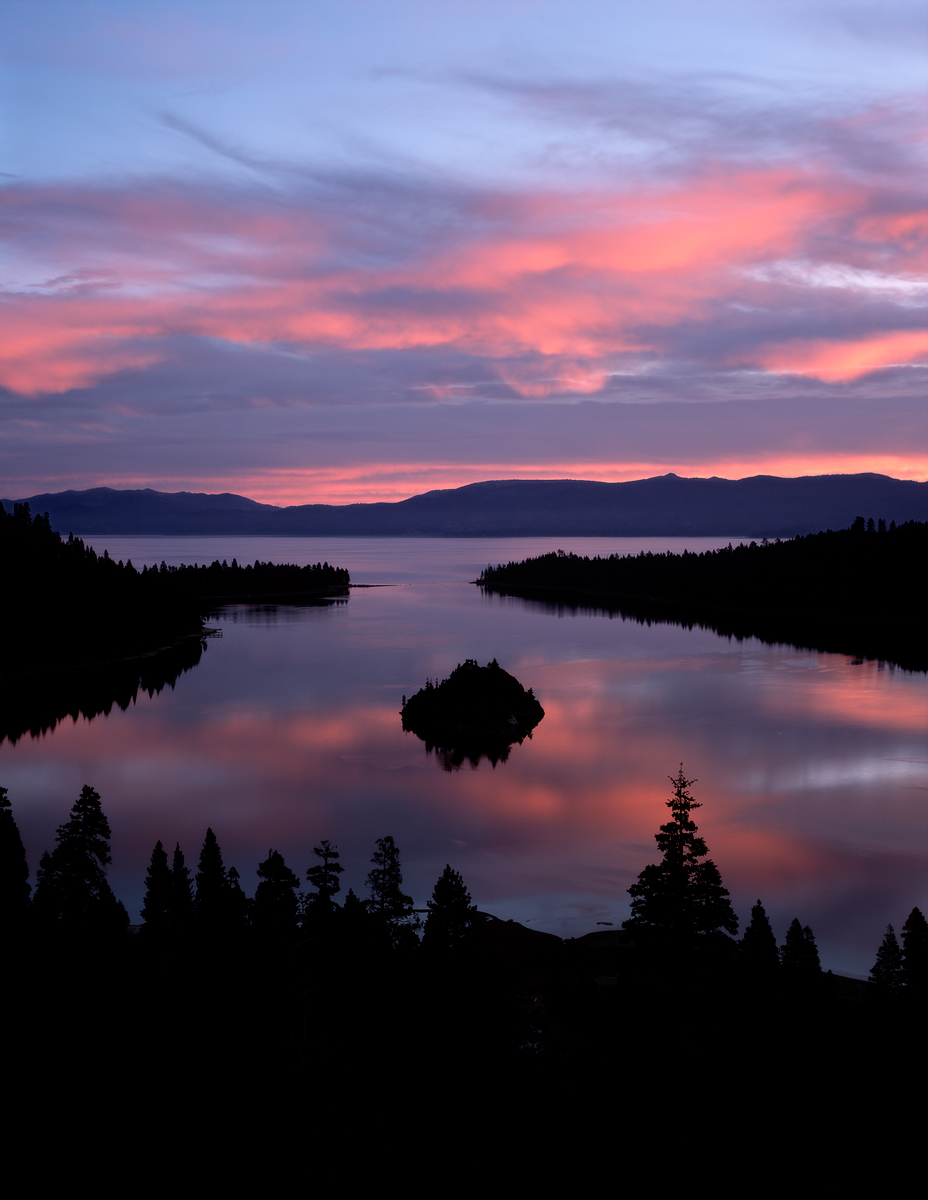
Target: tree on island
{"points": [[799, 954], [887, 973], [275, 903], [324, 876], [72, 886], [915, 951], [451, 915], [14, 870], [681, 895], [759, 945]]}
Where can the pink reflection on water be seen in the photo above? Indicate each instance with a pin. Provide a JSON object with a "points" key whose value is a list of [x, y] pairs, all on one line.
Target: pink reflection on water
{"points": [[807, 768]]}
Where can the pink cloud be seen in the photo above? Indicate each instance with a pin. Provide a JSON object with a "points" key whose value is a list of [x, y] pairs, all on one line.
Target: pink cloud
{"points": [[549, 290]]}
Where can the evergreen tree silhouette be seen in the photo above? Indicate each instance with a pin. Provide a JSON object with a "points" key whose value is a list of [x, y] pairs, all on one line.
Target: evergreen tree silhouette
{"points": [[211, 902], [14, 870], [156, 908], [354, 909], [324, 876], [759, 945], [887, 972], [681, 895], [799, 954], [387, 901], [72, 886], [451, 915], [238, 906], [181, 899], [915, 951], [275, 902]]}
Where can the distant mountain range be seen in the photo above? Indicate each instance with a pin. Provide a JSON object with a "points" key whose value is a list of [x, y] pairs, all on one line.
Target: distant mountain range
{"points": [[666, 506]]}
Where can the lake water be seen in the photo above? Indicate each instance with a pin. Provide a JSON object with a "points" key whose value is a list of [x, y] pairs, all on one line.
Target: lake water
{"points": [[811, 770]]}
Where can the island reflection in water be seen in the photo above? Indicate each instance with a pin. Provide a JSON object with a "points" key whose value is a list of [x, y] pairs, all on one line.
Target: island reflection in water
{"points": [[811, 771]]}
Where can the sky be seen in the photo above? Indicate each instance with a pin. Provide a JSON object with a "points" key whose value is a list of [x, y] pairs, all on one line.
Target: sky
{"points": [[351, 250]]}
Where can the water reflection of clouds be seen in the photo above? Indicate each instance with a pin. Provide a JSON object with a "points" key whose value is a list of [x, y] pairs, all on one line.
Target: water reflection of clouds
{"points": [[289, 732], [841, 773]]}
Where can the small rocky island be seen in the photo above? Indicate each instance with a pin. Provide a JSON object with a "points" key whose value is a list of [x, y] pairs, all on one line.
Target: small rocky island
{"points": [[476, 712]]}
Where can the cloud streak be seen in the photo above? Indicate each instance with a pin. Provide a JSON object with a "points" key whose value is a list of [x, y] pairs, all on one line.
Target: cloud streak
{"points": [[753, 254]]}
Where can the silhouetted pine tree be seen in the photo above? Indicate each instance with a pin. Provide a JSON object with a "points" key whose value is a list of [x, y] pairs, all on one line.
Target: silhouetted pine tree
{"points": [[211, 902], [387, 900], [14, 870], [156, 908], [181, 902], [354, 911], [275, 902], [915, 951], [886, 974], [759, 945], [72, 886], [799, 954], [324, 876], [239, 906], [681, 894], [451, 915]]}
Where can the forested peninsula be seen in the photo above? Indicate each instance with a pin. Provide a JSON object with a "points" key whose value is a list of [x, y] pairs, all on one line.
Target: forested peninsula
{"points": [[856, 591], [97, 623]]}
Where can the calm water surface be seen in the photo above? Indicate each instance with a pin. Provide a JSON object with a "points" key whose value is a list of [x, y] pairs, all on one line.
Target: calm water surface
{"points": [[811, 770]]}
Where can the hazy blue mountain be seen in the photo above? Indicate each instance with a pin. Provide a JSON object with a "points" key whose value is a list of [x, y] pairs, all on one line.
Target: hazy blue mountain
{"points": [[764, 505]]}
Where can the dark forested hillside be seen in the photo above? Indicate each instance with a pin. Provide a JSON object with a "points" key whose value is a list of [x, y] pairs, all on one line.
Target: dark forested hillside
{"points": [[859, 590], [63, 605]]}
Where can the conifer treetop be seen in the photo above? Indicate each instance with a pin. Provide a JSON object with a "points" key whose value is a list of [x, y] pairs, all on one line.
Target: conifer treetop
{"points": [[683, 894]]}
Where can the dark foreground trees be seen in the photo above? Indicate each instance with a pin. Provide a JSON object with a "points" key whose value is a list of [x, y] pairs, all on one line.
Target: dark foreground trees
{"points": [[387, 900], [887, 974], [156, 907], [324, 875], [683, 894], [451, 916], [220, 905], [14, 870], [915, 952], [72, 886], [759, 945], [799, 953], [275, 906]]}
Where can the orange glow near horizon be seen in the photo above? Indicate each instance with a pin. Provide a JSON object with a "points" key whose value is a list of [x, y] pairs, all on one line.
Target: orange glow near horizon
{"points": [[367, 483]]}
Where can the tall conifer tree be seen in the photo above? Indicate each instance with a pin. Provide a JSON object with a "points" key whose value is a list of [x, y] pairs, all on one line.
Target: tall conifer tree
{"points": [[887, 972], [239, 906], [212, 895], [388, 903], [451, 915], [181, 910], [681, 894], [156, 907], [915, 951], [799, 954], [14, 870], [72, 886], [759, 945], [275, 902], [385, 883], [324, 875]]}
